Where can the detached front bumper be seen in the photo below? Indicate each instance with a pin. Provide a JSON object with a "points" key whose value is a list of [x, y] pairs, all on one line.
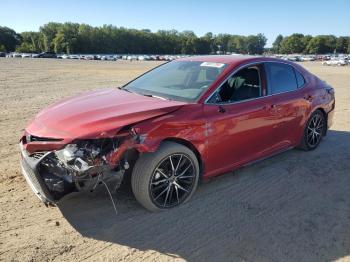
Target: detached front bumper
{"points": [[29, 168]]}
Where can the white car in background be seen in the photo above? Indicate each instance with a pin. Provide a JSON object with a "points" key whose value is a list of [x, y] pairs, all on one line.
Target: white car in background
{"points": [[338, 62], [143, 58], [73, 57], [108, 58], [131, 58], [307, 58], [15, 55], [25, 55]]}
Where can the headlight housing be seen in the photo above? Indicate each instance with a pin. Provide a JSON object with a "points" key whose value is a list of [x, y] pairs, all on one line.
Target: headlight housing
{"points": [[82, 155]]}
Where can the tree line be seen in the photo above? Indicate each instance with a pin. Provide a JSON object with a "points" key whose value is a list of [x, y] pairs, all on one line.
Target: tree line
{"points": [[108, 39], [306, 44], [83, 38]]}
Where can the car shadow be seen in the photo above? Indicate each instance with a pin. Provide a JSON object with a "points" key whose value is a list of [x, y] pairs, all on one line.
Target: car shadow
{"points": [[292, 207]]}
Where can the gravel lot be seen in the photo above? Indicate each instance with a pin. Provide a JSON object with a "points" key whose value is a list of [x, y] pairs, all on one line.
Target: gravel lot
{"points": [[292, 207]]}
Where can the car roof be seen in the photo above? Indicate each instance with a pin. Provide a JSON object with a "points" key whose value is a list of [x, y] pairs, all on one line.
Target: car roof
{"points": [[226, 59], [236, 60]]}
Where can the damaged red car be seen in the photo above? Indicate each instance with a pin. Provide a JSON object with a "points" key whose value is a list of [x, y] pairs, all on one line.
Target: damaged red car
{"points": [[183, 121]]}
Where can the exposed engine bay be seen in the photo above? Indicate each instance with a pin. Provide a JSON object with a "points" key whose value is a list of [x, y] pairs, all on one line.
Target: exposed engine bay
{"points": [[80, 166]]}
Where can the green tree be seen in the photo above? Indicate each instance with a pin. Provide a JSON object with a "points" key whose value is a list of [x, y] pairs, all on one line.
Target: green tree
{"points": [[83, 38], [276, 46], [322, 44], [342, 44], [239, 43], [49, 32], [293, 44], [188, 40], [306, 39], [30, 42], [9, 38], [316, 46]]}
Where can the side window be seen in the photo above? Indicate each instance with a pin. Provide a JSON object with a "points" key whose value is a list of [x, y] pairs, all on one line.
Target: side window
{"points": [[300, 79], [281, 78], [243, 85]]}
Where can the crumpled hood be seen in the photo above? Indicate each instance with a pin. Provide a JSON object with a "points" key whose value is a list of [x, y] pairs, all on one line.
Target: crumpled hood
{"points": [[96, 113]]}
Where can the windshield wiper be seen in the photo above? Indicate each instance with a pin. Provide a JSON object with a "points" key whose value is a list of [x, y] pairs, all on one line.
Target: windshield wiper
{"points": [[123, 88], [160, 97], [148, 95]]}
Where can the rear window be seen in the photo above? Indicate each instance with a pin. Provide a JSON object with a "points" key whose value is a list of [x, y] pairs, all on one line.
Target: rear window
{"points": [[300, 79], [281, 78]]}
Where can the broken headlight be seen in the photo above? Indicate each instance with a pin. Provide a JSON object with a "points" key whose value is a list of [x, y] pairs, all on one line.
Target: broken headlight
{"points": [[85, 154]]}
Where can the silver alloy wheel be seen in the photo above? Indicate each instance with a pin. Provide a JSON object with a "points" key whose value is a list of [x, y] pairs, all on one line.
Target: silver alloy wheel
{"points": [[172, 180], [315, 130]]}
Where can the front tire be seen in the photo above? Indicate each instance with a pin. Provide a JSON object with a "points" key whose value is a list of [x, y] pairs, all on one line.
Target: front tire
{"points": [[314, 130], [166, 178]]}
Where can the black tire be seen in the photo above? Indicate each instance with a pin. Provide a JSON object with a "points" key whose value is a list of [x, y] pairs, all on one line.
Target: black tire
{"points": [[314, 131], [149, 174]]}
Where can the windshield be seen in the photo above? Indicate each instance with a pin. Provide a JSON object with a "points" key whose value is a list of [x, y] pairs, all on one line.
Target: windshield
{"points": [[177, 80]]}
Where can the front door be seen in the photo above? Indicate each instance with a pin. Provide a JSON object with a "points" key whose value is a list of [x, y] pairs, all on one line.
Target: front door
{"points": [[240, 121]]}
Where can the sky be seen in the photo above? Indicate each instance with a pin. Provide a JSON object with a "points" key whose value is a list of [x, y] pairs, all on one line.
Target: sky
{"points": [[242, 17]]}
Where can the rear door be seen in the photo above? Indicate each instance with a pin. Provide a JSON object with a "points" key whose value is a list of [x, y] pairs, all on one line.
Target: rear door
{"points": [[285, 84]]}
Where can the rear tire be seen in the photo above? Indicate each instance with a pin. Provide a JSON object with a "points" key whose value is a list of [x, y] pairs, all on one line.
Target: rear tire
{"points": [[314, 131], [166, 178]]}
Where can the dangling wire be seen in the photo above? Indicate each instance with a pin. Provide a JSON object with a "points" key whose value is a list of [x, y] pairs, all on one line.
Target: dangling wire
{"points": [[110, 195]]}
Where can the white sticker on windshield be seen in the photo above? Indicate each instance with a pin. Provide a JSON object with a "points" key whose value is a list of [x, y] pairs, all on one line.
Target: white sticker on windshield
{"points": [[210, 64]]}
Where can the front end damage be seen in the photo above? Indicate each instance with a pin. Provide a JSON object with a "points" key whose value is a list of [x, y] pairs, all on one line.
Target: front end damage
{"points": [[79, 166]]}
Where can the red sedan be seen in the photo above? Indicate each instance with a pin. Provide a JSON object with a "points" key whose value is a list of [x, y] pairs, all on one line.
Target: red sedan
{"points": [[185, 120]]}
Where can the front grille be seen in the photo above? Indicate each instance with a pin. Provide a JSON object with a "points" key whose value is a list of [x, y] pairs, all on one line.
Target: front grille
{"points": [[31, 138], [36, 182], [37, 155]]}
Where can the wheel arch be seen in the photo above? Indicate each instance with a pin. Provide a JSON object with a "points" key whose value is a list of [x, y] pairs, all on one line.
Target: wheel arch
{"points": [[325, 117], [189, 145]]}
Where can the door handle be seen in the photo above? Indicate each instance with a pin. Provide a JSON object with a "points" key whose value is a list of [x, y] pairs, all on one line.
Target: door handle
{"points": [[221, 109], [270, 107], [273, 108]]}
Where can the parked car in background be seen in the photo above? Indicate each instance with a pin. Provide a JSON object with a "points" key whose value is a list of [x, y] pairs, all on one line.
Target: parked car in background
{"points": [[2, 54], [141, 58], [335, 61], [15, 55], [323, 57], [108, 58], [90, 57], [131, 58], [307, 58], [76, 57], [293, 58], [155, 57], [186, 120], [25, 55], [46, 55]]}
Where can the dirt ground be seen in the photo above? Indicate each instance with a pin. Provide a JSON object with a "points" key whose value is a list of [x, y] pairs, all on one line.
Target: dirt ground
{"points": [[292, 207]]}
